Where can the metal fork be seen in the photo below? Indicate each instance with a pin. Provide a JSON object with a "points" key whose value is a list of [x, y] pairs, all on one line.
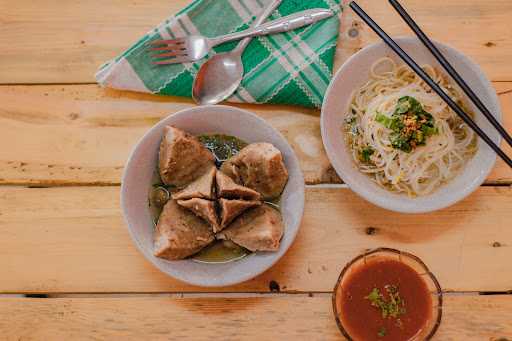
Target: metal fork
{"points": [[192, 48]]}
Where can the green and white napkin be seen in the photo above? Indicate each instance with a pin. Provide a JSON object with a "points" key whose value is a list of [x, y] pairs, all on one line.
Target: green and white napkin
{"points": [[288, 68]]}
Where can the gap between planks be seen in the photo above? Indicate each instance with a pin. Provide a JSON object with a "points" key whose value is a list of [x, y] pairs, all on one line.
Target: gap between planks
{"points": [[220, 294], [200, 294]]}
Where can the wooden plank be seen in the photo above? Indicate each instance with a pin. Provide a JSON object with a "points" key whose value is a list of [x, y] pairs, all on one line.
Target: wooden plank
{"points": [[73, 239], [45, 43], [278, 318], [501, 172], [66, 43], [82, 134], [481, 31]]}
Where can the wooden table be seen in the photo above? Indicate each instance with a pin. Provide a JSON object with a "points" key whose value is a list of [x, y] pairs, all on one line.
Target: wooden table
{"points": [[68, 268]]}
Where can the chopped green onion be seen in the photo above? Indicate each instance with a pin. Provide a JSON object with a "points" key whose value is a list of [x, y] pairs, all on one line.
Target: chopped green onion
{"points": [[384, 120], [411, 125], [366, 153]]}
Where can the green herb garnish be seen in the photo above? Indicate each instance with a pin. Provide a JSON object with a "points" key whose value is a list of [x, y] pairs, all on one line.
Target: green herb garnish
{"points": [[411, 125], [366, 153], [374, 296], [384, 120], [393, 307], [408, 104], [382, 332], [222, 146]]}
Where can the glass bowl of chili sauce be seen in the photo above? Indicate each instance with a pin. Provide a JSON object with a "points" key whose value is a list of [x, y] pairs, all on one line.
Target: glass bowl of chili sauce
{"points": [[387, 295]]}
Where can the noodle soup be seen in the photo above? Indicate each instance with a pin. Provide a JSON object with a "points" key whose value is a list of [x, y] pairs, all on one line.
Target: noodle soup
{"points": [[403, 135]]}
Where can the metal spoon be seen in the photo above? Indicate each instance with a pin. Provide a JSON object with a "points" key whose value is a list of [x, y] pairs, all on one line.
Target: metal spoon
{"points": [[221, 75]]}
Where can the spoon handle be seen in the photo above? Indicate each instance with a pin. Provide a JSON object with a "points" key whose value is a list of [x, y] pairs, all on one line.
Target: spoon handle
{"points": [[288, 23], [257, 22]]}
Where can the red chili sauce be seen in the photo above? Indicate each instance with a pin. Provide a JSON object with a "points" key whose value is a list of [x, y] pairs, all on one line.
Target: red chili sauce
{"points": [[383, 300]]}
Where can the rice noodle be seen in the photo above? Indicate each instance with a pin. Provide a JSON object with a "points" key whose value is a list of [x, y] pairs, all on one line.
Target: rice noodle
{"points": [[425, 168]]}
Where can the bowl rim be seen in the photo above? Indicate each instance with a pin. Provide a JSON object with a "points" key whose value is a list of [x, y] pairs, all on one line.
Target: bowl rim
{"points": [[247, 275], [431, 276], [391, 205]]}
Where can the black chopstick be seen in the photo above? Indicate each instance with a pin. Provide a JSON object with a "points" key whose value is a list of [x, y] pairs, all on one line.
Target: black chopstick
{"points": [[426, 78], [450, 70]]}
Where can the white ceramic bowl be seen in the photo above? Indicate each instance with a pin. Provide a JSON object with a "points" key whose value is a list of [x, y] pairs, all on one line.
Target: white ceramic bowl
{"points": [[353, 74], [137, 182]]}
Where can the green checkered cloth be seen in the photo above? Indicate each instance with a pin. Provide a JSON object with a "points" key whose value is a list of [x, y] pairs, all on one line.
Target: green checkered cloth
{"points": [[288, 68]]}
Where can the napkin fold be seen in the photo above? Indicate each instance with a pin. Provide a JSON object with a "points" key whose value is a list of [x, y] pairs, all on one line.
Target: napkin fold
{"points": [[288, 68]]}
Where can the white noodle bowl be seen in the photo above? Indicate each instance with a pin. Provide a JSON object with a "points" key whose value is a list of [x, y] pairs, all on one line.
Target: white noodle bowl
{"points": [[424, 169]]}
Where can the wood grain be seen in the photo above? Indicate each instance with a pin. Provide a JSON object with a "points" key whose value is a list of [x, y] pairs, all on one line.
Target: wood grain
{"points": [[73, 239], [82, 134], [252, 318], [66, 43], [458, 23]]}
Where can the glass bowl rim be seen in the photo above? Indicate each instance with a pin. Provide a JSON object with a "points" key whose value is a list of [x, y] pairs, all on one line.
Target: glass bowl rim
{"points": [[439, 291]]}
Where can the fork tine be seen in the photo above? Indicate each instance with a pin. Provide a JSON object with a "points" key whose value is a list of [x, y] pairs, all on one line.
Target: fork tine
{"points": [[167, 41], [177, 60], [170, 54], [167, 48]]}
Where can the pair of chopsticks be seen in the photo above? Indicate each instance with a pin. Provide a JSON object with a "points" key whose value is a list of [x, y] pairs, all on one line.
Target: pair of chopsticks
{"points": [[426, 78]]}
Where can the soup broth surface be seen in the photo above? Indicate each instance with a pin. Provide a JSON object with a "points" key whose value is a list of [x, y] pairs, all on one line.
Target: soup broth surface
{"points": [[384, 300]]}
